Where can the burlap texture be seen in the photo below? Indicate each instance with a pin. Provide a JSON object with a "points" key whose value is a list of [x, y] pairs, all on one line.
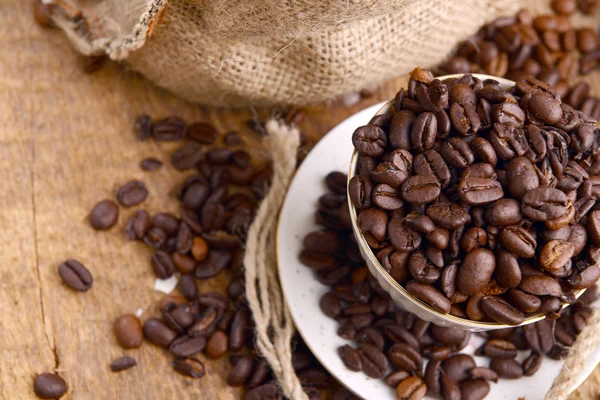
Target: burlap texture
{"points": [[266, 52]]}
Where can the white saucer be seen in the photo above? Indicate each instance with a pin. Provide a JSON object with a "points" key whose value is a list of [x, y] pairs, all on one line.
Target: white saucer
{"points": [[302, 290]]}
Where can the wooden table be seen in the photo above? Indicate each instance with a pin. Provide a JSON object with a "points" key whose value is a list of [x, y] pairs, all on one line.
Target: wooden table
{"points": [[66, 141]]}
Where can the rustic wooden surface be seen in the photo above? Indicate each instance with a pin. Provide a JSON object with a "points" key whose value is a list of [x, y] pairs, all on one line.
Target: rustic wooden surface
{"points": [[66, 142]]}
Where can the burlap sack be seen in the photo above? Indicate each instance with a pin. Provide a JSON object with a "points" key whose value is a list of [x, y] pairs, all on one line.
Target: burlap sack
{"points": [[265, 52]]}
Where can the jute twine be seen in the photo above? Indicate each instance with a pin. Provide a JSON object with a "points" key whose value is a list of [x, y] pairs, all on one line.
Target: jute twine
{"points": [[573, 365], [274, 326]]}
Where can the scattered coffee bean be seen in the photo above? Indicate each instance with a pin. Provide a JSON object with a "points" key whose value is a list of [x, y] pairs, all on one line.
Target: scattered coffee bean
{"points": [[150, 164], [132, 193], [189, 366], [75, 275], [104, 215], [122, 363], [128, 331], [49, 386]]}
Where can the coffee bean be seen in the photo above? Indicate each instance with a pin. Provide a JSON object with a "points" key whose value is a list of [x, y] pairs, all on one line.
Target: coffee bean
{"points": [[474, 389], [336, 182], [128, 331], [132, 193], [540, 285], [370, 140], [456, 152], [162, 265], [431, 163], [104, 215], [390, 173], [429, 295], [189, 366], [424, 132], [524, 301], [494, 348], [539, 336], [350, 358], [237, 333], [150, 164], [412, 388], [518, 241], [555, 254], [158, 333], [420, 189], [475, 271], [501, 311], [450, 389], [374, 362], [401, 128], [447, 215], [122, 363], [458, 366], [508, 271], [479, 191], [215, 262], [187, 156], [532, 363], [203, 133], [465, 118], [185, 346], [268, 391], [485, 373], [170, 129], [49, 386], [75, 275], [507, 368], [521, 177]]}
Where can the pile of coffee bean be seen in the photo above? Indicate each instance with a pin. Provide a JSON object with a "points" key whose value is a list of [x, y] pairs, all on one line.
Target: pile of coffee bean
{"points": [[476, 199], [395, 345], [546, 47]]}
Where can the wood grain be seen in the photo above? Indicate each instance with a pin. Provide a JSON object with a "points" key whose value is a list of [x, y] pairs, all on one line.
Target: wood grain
{"points": [[66, 142]]}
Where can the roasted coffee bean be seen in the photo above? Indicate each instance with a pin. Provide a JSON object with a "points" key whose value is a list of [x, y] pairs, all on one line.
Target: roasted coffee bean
{"points": [[424, 132], [122, 363], [465, 118], [518, 241], [104, 215], [167, 222], [544, 204], [458, 366], [336, 182], [525, 302], [540, 285], [189, 366], [431, 163], [374, 362], [128, 331], [484, 373], [359, 191], [401, 128], [350, 358], [499, 348], [240, 371], [532, 363], [456, 152], [396, 377], [162, 265], [170, 129], [386, 197], [216, 346], [373, 222], [132, 193], [447, 215], [237, 333], [506, 368], [203, 133], [539, 336], [429, 295], [187, 156], [474, 389], [330, 305], [508, 271], [555, 254], [448, 335], [390, 173], [269, 391], [259, 374], [501, 311], [158, 333], [215, 262], [402, 237], [475, 271], [584, 278], [412, 388], [138, 225], [438, 352], [75, 275], [185, 346], [449, 388], [521, 177], [188, 287], [593, 227], [479, 191], [150, 164], [49, 386], [370, 140]]}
